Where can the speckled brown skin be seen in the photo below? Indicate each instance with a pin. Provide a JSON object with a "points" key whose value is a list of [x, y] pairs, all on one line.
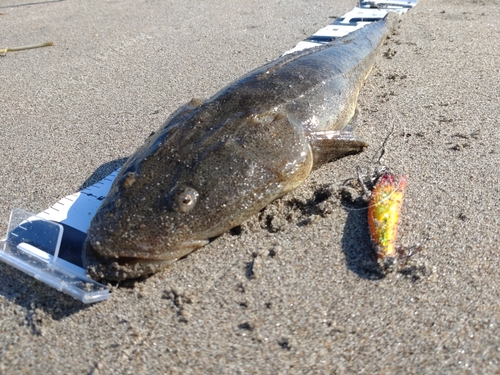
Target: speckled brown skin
{"points": [[214, 164]]}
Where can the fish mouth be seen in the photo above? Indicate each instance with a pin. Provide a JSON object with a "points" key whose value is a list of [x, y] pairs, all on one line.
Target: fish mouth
{"points": [[119, 268]]}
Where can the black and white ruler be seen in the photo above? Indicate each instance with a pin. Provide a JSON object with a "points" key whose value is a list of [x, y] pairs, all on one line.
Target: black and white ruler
{"points": [[48, 245]]}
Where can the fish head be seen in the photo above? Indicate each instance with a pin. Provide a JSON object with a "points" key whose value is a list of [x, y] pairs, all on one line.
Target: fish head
{"points": [[175, 194]]}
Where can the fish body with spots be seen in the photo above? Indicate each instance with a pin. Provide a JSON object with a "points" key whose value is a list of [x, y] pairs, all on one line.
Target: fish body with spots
{"points": [[215, 163]]}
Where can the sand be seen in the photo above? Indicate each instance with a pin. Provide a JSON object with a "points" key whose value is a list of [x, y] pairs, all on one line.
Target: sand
{"points": [[296, 289]]}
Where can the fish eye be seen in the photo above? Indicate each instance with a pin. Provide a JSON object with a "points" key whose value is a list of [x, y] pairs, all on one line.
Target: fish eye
{"points": [[185, 200]]}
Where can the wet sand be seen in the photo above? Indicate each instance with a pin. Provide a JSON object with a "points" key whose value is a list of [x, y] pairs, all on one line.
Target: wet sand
{"points": [[296, 289]]}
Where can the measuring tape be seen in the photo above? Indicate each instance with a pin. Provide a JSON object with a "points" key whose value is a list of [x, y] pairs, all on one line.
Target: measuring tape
{"points": [[48, 246]]}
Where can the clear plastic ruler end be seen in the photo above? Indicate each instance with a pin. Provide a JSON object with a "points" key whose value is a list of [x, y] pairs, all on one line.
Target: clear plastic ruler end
{"points": [[48, 246], [33, 246]]}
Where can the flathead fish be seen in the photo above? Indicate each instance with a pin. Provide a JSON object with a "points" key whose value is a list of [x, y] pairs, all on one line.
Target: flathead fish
{"points": [[215, 163]]}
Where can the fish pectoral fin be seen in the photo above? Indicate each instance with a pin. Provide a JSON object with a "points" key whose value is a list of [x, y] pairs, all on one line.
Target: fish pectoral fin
{"points": [[333, 144]]}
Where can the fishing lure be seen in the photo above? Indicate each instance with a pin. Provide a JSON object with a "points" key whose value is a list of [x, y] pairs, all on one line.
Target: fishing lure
{"points": [[383, 214]]}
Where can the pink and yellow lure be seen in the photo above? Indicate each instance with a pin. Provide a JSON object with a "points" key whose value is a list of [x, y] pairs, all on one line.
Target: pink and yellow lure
{"points": [[383, 214]]}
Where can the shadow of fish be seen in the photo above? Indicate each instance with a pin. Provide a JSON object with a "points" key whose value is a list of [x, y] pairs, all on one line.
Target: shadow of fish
{"points": [[215, 163]]}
